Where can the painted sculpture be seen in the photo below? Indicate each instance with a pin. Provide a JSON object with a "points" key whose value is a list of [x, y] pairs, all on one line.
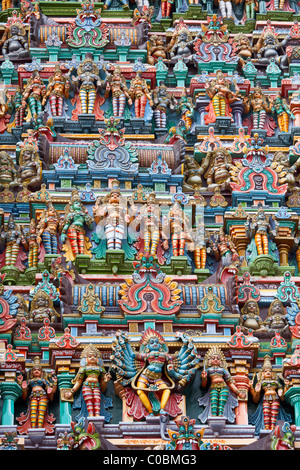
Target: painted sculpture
{"points": [[73, 232], [57, 91], [91, 379], [116, 85], [221, 399], [153, 370], [39, 388], [48, 229]]}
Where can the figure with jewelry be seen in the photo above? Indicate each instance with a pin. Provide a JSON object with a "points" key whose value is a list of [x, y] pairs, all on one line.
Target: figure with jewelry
{"points": [[260, 105], [267, 390], [14, 42], [48, 229], [31, 244], [156, 49], [89, 85], [220, 400], [280, 107], [92, 380], [8, 172], [250, 319], [116, 85], [152, 371], [57, 92], [18, 107], [186, 109], [39, 388], [139, 93], [73, 233], [41, 308], [11, 241], [261, 230], [33, 95], [30, 167], [221, 95], [224, 249], [162, 103], [177, 224], [216, 167], [112, 218]]}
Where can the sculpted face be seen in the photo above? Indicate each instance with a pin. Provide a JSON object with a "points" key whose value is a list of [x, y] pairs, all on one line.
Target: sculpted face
{"points": [[154, 344]]}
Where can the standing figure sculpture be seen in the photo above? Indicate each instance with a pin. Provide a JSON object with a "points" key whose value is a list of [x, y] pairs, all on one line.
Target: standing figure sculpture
{"points": [[31, 245], [218, 401], [11, 239], [177, 224], [116, 84], [162, 102], [260, 107], [267, 384], [139, 94], [88, 81], [76, 217], [200, 245], [48, 229], [282, 110], [185, 107], [33, 94], [221, 95], [30, 167], [18, 106], [57, 91], [261, 229], [40, 387], [92, 379]]}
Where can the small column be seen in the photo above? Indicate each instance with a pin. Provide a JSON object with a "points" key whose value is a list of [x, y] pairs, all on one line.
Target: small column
{"points": [[292, 396], [64, 380], [240, 372], [10, 392]]}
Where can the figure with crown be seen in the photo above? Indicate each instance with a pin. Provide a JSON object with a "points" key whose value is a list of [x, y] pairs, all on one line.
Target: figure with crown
{"points": [[73, 233], [220, 400], [39, 388], [91, 379], [57, 91], [152, 371], [48, 229]]}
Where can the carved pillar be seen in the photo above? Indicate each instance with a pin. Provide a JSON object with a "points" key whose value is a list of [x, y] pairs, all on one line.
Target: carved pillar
{"points": [[240, 372], [284, 245], [295, 109], [238, 235], [64, 380], [10, 392], [292, 396]]}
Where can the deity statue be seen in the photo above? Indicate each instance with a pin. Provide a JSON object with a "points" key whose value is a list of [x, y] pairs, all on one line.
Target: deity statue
{"points": [[162, 102], [116, 84], [139, 94], [112, 218], [11, 239], [261, 229], [33, 93], [31, 245], [216, 167], [151, 227], [267, 383], [8, 173], [91, 379], [181, 45], [250, 319], [280, 107], [88, 81], [225, 7], [30, 167], [151, 372], [57, 91], [224, 249], [281, 164], [177, 224], [221, 95], [269, 48], [48, 229], [156, 49], [14, 42], [260, 106], [39, 387], [219, 401], [186, 109], [192, 174], [73, 234], [41, 308], [276, 319], [18, 105], [242, 47]]}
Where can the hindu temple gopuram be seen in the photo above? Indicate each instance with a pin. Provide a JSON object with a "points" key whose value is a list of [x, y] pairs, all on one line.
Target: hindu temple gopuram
{"points": [[150, 225]]}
